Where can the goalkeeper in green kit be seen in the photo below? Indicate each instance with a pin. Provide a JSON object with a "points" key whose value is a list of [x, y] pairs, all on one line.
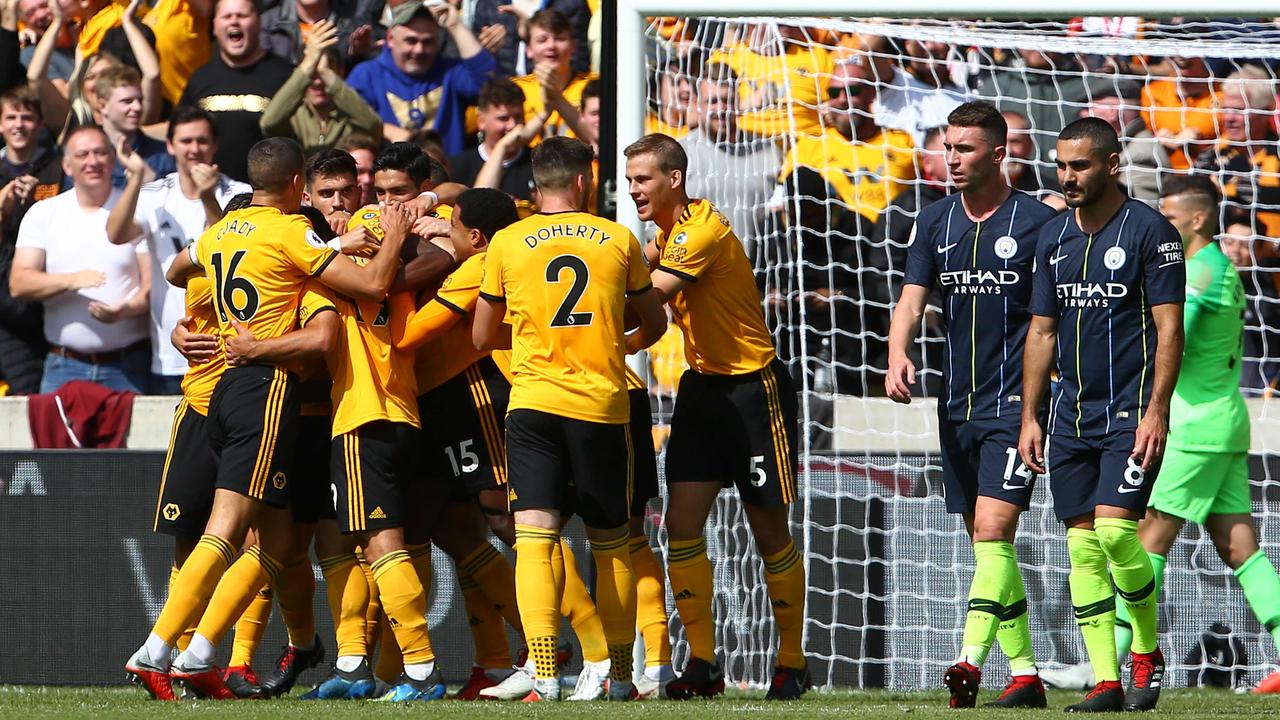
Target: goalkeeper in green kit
{"points": [[1205, 475]]}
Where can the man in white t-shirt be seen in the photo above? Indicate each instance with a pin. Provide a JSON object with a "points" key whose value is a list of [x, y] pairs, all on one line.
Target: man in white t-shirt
{"points": [[920, 94], [94, 292], [170, 213]]}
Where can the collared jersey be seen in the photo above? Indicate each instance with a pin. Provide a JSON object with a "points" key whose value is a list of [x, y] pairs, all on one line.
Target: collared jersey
{"points": [[718, 310], [453, 352], [1100, 287], [257, 260], [1207, 412], [371, 379], [564, 278], [199, 380], [984, 272], [369, 216]]}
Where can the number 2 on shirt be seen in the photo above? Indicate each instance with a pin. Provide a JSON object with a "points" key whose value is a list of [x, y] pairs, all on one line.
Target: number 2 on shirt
{"points": [[565, 316]]}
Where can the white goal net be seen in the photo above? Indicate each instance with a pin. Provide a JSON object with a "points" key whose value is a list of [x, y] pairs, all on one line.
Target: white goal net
{"points": [[816, 137]]}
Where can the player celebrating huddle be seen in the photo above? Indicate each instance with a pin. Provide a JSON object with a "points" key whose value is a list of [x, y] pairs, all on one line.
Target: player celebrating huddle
{"points": [[735, 419], [1109, 267], [565, 278], [256, 259], [977, 247]]}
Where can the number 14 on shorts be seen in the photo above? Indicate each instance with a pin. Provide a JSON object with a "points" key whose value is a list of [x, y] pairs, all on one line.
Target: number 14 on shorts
{"points": [[1014, 467]]}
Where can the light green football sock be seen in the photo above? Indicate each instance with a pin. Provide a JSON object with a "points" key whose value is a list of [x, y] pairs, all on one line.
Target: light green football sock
{"points": [[1124, 626], [1094, 602], [1014, 633], [986, 593], [1133, 575], [1261, 587]]}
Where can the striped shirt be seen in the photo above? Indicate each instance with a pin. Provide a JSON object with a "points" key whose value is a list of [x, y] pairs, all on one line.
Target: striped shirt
{"points": [[983, 270], [1100, 287]]}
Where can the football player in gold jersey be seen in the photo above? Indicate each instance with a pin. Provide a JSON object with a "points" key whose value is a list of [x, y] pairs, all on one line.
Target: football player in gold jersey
{"points": [[735, 419], [565, 279], [189, 477], [463, 403], [256, 260]]}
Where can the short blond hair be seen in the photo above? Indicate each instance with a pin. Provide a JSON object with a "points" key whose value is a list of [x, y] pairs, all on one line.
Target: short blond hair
{"points": [[115, 77]]}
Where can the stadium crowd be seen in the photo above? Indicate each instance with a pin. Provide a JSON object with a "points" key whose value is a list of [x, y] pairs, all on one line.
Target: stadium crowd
{"points": [[86, 301], [850, 124]]}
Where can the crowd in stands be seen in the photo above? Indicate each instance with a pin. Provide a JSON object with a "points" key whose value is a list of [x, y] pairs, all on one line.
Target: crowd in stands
{"points": [[820, 147], [126, 129]]}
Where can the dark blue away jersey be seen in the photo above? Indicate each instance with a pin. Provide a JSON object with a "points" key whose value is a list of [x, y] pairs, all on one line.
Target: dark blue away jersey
{"points": [[1101, 288], [984, 272]]}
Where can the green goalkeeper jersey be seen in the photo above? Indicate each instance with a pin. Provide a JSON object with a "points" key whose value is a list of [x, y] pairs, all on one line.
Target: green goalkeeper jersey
{"points": [[1207, 412]]}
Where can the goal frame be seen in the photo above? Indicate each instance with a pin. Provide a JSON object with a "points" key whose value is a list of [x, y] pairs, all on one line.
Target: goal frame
{"points": [[629, 62]]}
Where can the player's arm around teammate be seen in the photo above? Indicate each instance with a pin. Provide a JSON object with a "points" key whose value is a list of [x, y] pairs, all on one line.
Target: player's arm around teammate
{"points": [[368, 282]]}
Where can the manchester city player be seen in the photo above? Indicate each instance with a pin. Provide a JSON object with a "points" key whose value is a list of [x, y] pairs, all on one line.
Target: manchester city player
{"points": [[1205, 475], [1107, 310], [976, 247]]}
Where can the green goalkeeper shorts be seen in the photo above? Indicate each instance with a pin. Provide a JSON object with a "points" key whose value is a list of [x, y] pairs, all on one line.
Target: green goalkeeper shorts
{"points": [[1195, 485]]}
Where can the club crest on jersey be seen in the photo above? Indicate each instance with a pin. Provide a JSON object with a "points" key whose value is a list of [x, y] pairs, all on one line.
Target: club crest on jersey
{"points": [[314, 240], [1113, 258], [1006, 247], [680, 238]]}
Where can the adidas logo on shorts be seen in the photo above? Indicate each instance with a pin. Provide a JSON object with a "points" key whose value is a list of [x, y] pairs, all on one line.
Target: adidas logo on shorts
{"points": [[377, 514]]}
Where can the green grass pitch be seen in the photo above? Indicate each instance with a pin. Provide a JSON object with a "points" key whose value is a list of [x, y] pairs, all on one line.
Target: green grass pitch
{"points": [[121, 702]]}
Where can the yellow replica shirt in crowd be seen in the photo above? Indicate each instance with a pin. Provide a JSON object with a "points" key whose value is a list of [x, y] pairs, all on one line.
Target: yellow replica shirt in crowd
{"points": [[441, 359], [199, 380], [564, 278], [533, 103], [371, 379], [655, 124], [718, 310], [865, 175], [183, 43], [96, 26], [1169, 110], [792, 86], [258, 259]]}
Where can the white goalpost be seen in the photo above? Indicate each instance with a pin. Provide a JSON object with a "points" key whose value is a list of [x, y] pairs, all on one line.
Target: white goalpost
{"points": [[888, 569]]}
